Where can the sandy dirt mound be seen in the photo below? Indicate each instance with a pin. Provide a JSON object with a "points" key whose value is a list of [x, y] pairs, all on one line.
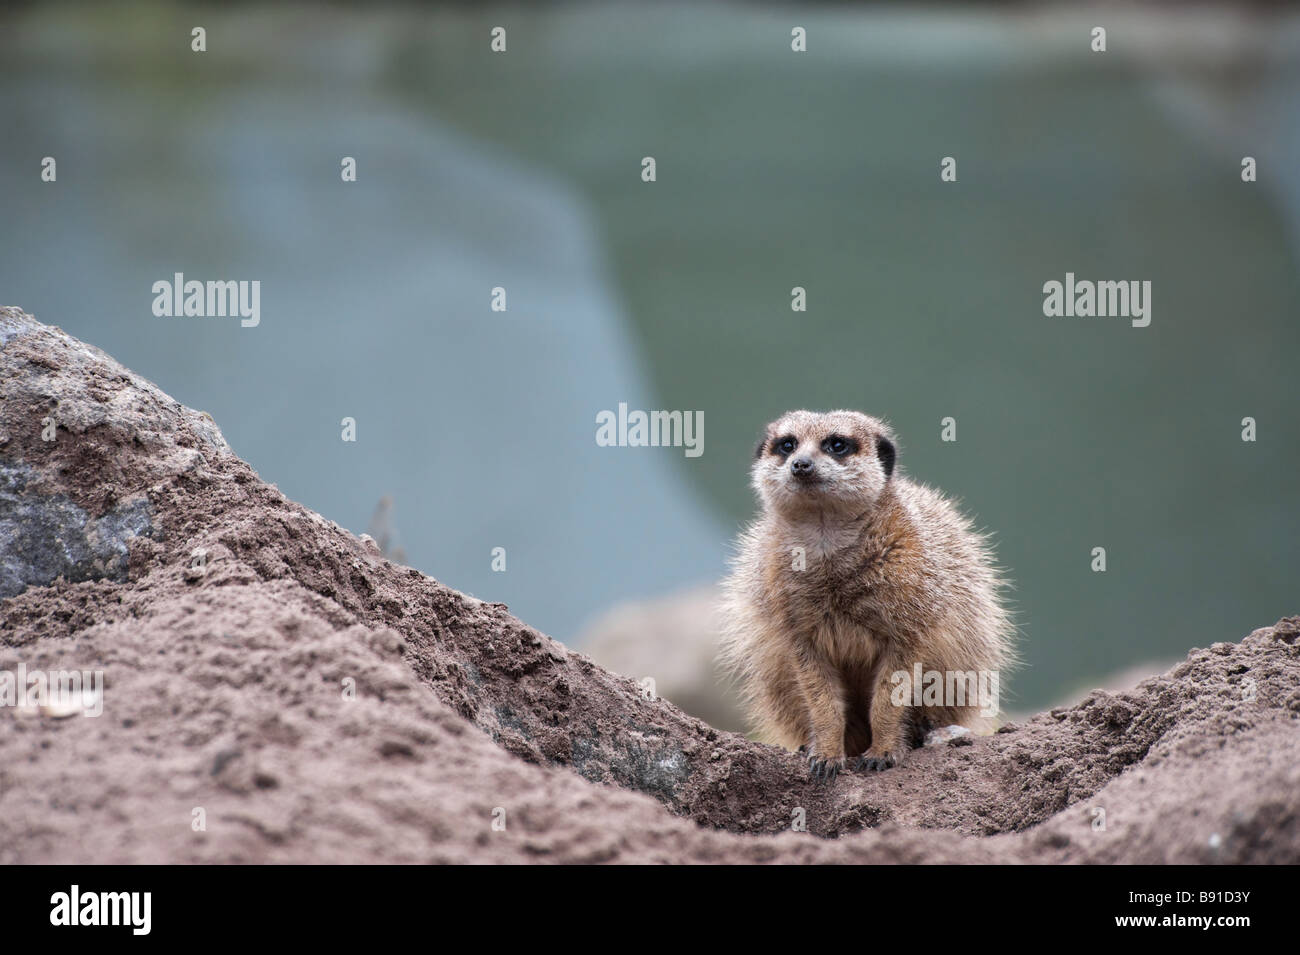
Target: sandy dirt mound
{"points": [[276, 691]]}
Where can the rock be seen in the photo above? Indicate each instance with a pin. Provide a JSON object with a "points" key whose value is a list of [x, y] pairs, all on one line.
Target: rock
{"points": [[946, 734], [302, 700], [46, 536], [673, 641]]}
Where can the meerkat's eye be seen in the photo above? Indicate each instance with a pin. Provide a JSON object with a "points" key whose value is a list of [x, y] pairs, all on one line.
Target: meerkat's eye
{"points": [[838, 446], [785, 445]]}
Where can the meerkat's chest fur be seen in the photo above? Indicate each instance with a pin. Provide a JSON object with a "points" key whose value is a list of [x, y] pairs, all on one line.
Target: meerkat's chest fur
{"points": [[822, 571]]}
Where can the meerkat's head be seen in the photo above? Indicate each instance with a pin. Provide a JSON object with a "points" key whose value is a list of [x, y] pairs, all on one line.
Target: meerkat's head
{"points": [[811, 462]]}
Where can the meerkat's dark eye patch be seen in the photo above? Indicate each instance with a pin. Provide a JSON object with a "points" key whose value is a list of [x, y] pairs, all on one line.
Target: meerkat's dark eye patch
{"points": [[837, 445], [785, 445], [887, 453]]}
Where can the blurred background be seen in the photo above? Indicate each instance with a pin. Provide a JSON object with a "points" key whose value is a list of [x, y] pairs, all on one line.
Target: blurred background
{"points": [[775, 169]]}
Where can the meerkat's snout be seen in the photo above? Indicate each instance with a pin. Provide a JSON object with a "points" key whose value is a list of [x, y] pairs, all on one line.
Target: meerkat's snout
{"points": [[803, 468]]}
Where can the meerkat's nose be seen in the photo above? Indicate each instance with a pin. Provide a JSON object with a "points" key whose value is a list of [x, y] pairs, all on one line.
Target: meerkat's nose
{"points": [[801, 466]]}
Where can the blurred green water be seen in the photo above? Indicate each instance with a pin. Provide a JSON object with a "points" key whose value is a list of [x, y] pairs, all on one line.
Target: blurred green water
{"points": [[774, 170], [925, 299]]}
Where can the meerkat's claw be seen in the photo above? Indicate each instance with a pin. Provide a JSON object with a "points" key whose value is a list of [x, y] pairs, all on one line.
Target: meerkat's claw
{"points": [[824, 770], [876, 762]]}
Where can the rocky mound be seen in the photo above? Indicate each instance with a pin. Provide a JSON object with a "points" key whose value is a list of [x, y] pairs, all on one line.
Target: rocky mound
{"points": [[276, 691]]}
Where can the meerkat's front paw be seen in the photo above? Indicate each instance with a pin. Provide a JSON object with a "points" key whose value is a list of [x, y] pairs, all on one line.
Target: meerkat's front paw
{"points": [[875, 760], [823, 769]]}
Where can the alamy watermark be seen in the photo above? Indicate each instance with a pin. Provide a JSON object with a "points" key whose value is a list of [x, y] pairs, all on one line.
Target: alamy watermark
{"points": [[57, 693], [193, 299], [130, 909], [924, 687], [1083, 298], [651, 429]]}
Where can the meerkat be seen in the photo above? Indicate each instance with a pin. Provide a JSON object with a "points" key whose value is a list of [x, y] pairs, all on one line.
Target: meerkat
{"points": [[851, 577]]}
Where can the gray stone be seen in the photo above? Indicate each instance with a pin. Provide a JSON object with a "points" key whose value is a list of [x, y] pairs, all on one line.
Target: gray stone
{"points": [[45, 537]]}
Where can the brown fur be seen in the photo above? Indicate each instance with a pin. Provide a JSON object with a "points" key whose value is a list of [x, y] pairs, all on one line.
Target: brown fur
{"points": [[893, 576]]}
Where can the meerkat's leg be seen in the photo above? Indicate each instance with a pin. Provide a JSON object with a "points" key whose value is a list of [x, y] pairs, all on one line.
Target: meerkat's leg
{"points": [[888, 723], [779, 712], [823, 693]]}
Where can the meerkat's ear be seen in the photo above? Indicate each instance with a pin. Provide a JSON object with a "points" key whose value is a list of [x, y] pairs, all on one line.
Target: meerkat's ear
{"points": [[762, 445], [887, 453]]}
